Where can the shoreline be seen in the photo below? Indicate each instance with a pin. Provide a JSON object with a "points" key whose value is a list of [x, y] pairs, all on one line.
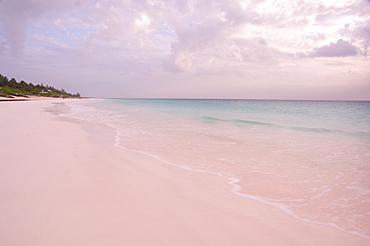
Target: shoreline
{"points": [[28, 98], [236, 188], [64, 182]]}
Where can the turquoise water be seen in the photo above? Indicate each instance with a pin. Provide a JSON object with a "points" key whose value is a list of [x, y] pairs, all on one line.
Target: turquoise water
{"points": [[311, 159]]}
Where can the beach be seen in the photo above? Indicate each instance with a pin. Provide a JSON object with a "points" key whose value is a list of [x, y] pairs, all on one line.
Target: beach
{"points": [[10, 98], [67, 182]]}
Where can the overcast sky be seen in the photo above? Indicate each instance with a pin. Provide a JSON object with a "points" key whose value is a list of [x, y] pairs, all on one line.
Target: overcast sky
{"points": [[252, 49]]}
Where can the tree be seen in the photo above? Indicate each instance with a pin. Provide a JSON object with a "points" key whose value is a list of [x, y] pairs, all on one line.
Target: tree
{"points": [[12, 86], [23, 85], [3, 80], [13, 83]]}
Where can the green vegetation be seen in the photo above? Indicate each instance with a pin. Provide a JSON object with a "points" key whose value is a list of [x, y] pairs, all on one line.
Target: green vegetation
{"points": [[13, 88]]}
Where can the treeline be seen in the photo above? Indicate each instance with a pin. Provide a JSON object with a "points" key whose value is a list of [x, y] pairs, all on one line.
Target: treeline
{"points": [[12, 87]]}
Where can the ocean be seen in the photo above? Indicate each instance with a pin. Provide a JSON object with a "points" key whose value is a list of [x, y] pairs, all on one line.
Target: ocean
{"points": [[311, 159]]}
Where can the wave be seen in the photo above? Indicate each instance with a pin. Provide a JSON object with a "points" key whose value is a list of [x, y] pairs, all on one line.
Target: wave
{"points": [[235, 187], [240, 121], [313, 129], [109, 118]]}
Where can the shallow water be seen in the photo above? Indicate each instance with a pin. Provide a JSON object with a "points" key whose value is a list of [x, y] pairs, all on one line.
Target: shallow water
{"points": [[311, 159]]}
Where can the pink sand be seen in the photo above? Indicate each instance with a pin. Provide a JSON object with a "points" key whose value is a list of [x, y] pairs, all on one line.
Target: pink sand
{"points": [[62, 185]]}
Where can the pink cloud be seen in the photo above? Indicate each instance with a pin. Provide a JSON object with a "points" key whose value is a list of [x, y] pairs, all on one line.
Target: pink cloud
{"points": [[339, 49]]}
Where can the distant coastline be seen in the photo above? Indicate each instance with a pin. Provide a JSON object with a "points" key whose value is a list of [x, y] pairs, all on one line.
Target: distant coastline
{"points": [[21, 91]]}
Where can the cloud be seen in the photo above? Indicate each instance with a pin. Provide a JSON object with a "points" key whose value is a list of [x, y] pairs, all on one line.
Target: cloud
{"points": [[13, 25], [183, 36], [215, 28], [196, 27], [193, 39], [14, 15], [363, 34], [179, 62], [339, 49], [212, 25]]}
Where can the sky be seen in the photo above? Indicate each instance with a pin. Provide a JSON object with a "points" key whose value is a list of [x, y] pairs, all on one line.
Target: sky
{"points": [[245, 49]]}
